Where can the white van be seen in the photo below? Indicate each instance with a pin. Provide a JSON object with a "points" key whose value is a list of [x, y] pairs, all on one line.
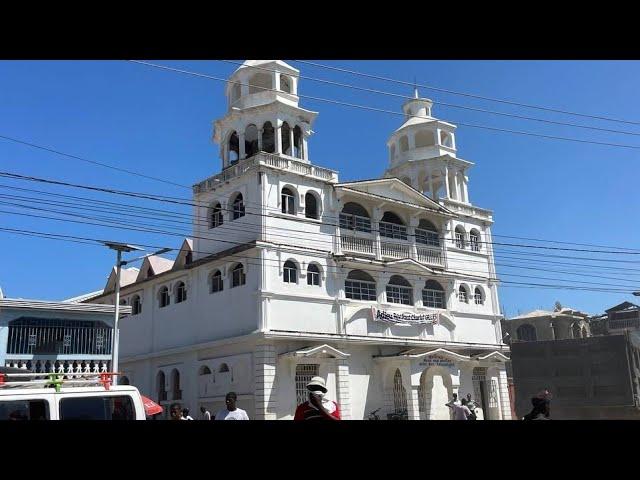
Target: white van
{"points": [[35, 400]]}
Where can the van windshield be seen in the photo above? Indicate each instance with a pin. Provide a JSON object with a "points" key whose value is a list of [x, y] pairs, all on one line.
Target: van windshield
{"points": [[24, 410], [97, 408]]}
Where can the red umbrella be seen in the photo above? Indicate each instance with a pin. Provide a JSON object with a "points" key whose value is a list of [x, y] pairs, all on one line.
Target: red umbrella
{"points": [[150, 407]]}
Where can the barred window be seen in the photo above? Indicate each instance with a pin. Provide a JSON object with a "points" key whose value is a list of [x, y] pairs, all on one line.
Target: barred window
{"points": [[136, 305], [238, 207], [216, 282], [478, 297], [313, 275], [391, 226], [216, 216], [290, 272], [463, 295], [288, 202], [355, 217], [164, 297], [238, 277], [399, 290], [360, 286], [474, 240], [460, 237], [433, 295], [304, 374], [311, 206], [181, 292]]}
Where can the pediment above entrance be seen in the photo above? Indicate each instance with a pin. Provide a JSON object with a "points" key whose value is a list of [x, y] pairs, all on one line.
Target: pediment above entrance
{"points": [[321, 351]]}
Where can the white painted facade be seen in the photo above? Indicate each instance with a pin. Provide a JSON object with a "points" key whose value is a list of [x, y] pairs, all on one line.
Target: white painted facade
{"points": [[261, 336]]}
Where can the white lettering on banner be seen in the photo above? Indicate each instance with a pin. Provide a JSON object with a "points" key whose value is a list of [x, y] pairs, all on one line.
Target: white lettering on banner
{"points": [[404, 319], [434, 361]]}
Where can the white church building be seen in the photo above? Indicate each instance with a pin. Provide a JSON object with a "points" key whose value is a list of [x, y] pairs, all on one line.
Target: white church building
{"points": [[384, 287]]}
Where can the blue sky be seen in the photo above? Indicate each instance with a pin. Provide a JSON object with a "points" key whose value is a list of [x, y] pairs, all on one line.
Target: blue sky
{"points": [[160, 123]]}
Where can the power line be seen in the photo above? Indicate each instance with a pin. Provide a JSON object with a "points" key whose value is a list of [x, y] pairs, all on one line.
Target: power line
{"points": [[339, 269], [452, 105], [392, 112], [480, 97]]}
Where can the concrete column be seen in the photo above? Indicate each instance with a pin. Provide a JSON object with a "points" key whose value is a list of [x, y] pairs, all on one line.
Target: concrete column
{"points": [[377, 215], [446, 181], [411, 231], [277, 129], [291, 140], [503, 393], [343, 386], [305, 154], [225, 155], [433, 192], [276, 80], [264, 360], [241, 150], [465, 184]]}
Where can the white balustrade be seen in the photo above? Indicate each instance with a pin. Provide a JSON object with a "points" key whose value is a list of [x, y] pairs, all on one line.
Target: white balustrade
{"points": [[357, 244]]}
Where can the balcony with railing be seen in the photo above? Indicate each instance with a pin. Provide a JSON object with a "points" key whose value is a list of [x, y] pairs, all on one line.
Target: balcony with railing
{"points": [[271, 160], [356, 236]]}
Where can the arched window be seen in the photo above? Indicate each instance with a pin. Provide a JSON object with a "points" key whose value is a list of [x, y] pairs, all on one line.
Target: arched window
{"points": [[313, 274], [311, 206], [285, 135], [163, 297], [478, 297], [234, 148], [474, 240], [433, 295], [290, 274], [460, 237], [297, 142], [425, 138], [216, 219], [238, 277], [463, 294], [355, 217], [223, 368], [526, 333], [160, 386], [391, 226], [204, 370], [175, 385], [360, 286], [404, 143], [136, 305], [250, 141], [427, 234], [268, 138], [238, 206], [260, 82], [399, 394], [216, 282], [399, 290], [285, 84], [181, 292], [288, 200]]}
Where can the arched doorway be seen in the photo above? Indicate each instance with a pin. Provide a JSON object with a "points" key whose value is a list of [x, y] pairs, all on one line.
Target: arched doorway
{"points": [[435, 391]]}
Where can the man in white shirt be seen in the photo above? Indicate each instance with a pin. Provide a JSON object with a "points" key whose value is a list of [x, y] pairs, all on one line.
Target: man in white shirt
{"points": [[231, 412], [460, 412], [205, 414]]}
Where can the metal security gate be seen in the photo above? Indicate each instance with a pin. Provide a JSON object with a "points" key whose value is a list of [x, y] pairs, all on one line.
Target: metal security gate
{"points": [[304, 374], [399, 395], [479, 389]]}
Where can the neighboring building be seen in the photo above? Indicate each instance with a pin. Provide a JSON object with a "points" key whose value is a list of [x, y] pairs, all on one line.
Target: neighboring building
{"points": [[47, 336], [560, 324], [383, 287], [624, 317], [589, 378]]}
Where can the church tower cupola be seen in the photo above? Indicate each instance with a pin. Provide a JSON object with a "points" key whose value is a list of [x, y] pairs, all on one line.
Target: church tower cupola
{"points": [[423, 153], [263, 114]]}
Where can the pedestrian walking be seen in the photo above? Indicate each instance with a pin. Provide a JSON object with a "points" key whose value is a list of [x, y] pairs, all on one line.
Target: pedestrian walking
{"points": [[232, 412], [460, 412], [204, 414]]}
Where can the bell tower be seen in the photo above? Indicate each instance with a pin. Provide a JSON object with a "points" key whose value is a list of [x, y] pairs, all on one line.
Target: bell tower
{"points": [[422, 153], [263, 114]]}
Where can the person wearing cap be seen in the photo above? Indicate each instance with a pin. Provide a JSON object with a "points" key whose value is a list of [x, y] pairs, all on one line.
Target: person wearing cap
{"points": [[317, 407]]}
